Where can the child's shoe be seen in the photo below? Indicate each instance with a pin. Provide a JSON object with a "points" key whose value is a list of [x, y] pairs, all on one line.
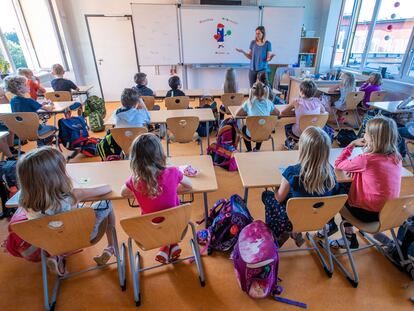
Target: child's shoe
{"points": [[331, 229], [163, 255], [175, 252], [105, 256], [298, 237], [340, 243], [57, 265]]}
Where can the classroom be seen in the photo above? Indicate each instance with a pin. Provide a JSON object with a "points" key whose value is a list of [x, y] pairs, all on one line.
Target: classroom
{"points": [[207, 155]]}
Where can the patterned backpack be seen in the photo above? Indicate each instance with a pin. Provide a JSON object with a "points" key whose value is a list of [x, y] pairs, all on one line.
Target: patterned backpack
{"points": [[96, 111], [224, 223], [222, 150]]}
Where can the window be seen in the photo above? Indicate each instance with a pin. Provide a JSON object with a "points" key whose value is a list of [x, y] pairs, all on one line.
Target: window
{"points": [[29, 32], [376, 34]]}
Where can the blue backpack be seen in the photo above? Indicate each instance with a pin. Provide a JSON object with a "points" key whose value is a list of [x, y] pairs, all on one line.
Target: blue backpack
{"points": [[73, 134], [224, 223]]}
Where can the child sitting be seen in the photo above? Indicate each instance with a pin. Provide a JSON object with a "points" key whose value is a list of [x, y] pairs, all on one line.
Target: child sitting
{"points": [[33, 82], [405, 132], [346, 85], [46, 189], [230, 83], [313, 176], [141, 82], [175, 84], [306, 104], [155, 185], [262, 77], [258, 104], [60, 83], [376, 175], [133, 112], [371, 85]]}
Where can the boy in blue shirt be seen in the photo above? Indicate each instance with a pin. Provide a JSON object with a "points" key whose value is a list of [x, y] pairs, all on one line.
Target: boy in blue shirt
{"points": [[60, 83], [133, 112], [141, 85]]}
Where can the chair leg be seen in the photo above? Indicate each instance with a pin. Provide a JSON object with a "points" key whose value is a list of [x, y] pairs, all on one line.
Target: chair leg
{"points": [[201, 146], [168, 141], [19, 148], [197, 256], [49, 306], [120, 260], [336, 119], [354, 278], [328, 268], [134, 265], [273, 143]]}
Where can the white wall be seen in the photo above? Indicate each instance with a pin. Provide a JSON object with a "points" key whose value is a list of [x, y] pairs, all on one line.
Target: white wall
{"points": [[72, 14]]}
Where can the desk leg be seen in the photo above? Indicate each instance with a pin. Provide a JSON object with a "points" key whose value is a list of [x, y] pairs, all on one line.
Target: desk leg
{"points": [[208, 133], [246, 194], [205, 208], [166, 139]]}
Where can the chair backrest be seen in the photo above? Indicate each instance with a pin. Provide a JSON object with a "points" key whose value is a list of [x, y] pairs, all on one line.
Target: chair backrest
{"points": [[313, 213], [58, 96], [149, 101], [10, 95], [124, 136], [158, 229], [261, 128], [24, 124], [232, 99], [177, 102], [183, 128], [59, 234], [318, 120], [395, 212], [353, 99], [285, 78], [377, 96]]}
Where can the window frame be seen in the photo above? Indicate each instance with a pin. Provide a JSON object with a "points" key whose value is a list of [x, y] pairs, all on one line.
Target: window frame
{"points": [[408, 58]]}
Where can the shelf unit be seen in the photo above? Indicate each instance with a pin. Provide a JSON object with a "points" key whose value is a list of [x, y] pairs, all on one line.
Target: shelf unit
{"points": [[308, 51]]}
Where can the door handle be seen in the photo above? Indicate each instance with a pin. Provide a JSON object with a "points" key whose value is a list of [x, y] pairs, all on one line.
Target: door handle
{"points": [[100, 61]]}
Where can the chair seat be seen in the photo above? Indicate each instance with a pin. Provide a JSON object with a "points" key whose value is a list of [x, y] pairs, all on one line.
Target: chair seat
{"points": [[369, 227], [47, 134], [171, 137]]}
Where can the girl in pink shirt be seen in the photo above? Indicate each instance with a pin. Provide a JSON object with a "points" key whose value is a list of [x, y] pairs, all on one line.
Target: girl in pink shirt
{"points": [[376, 174], [155, 185]]}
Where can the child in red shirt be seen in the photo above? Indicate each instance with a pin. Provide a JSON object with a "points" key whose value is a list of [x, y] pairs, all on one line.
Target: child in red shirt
{"points": [[33, 82], [155, 185], [376, 174]]}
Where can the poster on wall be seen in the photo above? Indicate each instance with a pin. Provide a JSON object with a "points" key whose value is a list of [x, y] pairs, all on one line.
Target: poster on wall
{"points": [[211, 35]]}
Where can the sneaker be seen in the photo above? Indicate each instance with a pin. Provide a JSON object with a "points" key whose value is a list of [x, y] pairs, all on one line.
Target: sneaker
{"points": [[163, 255], [57, 265], [383, 239], [175, 252], [340, 243], [105, 256], [331, 228], [298, 238]]}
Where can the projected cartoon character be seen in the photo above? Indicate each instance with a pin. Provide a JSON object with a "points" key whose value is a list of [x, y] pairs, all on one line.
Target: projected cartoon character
{"points": [[219, 36]]}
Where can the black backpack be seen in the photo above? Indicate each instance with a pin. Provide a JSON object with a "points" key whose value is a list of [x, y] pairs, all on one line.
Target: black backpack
{"points": [[345, 137], [107, 147]]}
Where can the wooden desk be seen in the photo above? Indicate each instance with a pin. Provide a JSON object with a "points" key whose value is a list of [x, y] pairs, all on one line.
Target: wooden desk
{"points": [[161, 116], [206, 92], [391, 107], [83, 90], [327, 91], [89, 174], [264, 169], [5, 109]]}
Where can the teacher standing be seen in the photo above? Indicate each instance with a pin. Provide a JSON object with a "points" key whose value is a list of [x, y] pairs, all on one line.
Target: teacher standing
{"points": [[260, 54]]}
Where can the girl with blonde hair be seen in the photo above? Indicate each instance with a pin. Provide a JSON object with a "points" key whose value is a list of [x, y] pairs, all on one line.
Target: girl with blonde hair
{"points": [[312, 176]]}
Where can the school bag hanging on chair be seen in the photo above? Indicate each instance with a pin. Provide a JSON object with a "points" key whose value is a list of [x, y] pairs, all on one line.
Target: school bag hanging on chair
{"points": [[96, 111], [256, 263], [224, 223], [222, 151], [107, 147]]}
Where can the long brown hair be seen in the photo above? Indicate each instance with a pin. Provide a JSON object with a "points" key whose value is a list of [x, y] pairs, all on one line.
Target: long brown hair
{"points": [[316, 174], [44, 182], [148, 160], [263, 31], [384, 136]]}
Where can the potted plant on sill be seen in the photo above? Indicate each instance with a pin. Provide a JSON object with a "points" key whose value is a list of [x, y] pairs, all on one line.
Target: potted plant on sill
{"points": [[4, 68]]}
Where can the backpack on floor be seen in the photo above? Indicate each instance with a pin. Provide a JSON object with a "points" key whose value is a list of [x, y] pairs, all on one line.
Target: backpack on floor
{"points": [[17, 247], [223, 149], [73, 134], [224, 223], [345, 137], [96, 111], [108, 147], [256, 260]]}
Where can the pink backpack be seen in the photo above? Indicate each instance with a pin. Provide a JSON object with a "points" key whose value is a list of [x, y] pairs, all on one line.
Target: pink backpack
{"points": [[15, 246]]}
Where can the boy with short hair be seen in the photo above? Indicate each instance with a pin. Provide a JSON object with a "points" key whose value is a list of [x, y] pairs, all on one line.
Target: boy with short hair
{"points": [[141, 82], [60, 83], [133, 112]]}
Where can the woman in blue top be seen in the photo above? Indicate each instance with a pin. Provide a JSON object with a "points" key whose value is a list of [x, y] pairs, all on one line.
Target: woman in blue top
{"points": [[260, 53]]}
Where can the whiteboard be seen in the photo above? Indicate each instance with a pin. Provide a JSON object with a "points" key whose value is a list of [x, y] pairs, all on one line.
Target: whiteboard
{"points": [[201, 42], [283, 26], [156, 33]]}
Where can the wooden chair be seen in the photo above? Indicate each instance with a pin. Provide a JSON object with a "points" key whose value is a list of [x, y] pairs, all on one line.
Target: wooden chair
{"points": [[177, 102], [409, 154], [58, 96], [351, 105], [25, 125], [124, 136], [377, 96], [183, 131], [63, 234], [10, 95], [231, 99], [149, 102], [392, 215], [318, 120], [156, 230], [261, 128], [312, 214]]}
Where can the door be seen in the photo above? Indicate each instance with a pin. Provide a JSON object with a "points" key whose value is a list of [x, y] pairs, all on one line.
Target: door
{"points": [[112, 41]]}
